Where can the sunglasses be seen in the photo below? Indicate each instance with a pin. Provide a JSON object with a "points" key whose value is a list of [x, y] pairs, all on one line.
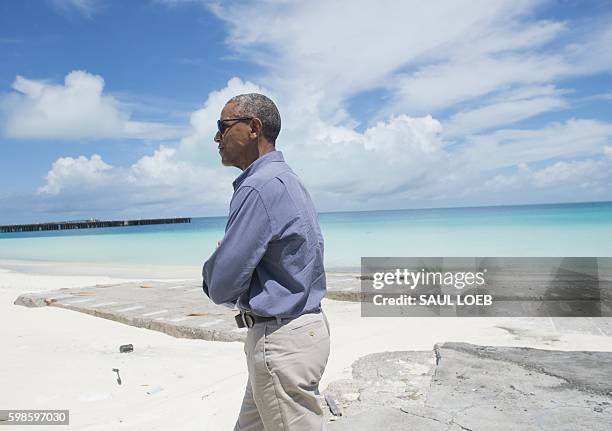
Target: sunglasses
{"points": [[223, 127]]}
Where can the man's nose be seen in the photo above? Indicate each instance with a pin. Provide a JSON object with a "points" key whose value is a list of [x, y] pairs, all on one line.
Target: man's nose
{"points": [[217, 137]]}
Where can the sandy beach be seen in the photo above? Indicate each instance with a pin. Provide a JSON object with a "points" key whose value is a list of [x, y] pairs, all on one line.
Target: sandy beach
{"points": [[61, 359]]}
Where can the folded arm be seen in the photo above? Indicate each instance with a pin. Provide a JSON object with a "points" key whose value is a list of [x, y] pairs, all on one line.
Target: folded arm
{"points": [[227, 273]]}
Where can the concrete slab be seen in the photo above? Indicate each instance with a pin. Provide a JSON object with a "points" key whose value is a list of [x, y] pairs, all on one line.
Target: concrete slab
{"points": [[180, 309], [177, 309], [469, 387]]}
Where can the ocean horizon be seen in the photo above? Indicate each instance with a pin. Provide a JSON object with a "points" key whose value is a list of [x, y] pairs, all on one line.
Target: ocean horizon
{"points": [[553, 230]]}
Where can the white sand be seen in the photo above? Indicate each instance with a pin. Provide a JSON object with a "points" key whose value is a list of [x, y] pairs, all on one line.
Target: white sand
{"points": [[59, 359]]}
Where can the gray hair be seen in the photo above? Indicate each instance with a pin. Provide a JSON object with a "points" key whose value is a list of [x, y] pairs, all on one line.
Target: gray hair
{"points": [[260, 106]]}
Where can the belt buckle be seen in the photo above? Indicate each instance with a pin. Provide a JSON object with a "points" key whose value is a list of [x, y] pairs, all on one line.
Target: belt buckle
{"points": [[246, 319], [239, 320]]}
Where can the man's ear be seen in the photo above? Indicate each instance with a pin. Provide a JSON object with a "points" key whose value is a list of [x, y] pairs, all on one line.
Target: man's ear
{"points": [[256, 128]]}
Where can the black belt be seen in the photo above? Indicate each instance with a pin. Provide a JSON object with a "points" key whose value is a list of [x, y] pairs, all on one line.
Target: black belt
{"points": [[247, 319]]}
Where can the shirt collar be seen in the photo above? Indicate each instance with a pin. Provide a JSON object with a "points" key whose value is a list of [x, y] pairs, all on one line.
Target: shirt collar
{"points": [[272, 156]]}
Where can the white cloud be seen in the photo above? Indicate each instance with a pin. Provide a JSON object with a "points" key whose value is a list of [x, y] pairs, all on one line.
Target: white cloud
{"points": [[84, 7], [588, 179], [508, 147], [469, 73], [75, 110], [506, 109], [373, 45], [157, 183], [584, 174], [163, 168], [403, 134], [436, 87], [81, 172], [379, 161]]}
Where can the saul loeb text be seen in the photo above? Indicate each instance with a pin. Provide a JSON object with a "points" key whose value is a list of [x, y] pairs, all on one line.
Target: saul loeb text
{"points": [[401, 279]]}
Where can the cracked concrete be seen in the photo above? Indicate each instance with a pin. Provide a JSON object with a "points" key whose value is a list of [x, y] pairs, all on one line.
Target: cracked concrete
{"points": [[459, 386], [180, 309]]}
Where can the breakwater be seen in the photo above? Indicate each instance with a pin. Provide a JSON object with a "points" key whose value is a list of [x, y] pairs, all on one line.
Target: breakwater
{"points": [[88, 224]]}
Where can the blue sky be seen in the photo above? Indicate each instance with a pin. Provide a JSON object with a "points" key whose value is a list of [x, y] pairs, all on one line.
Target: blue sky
{"points": [[108, 108]]}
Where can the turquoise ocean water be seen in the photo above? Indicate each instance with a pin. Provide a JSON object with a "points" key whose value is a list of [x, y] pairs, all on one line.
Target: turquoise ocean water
{"points": [[583, 229]]}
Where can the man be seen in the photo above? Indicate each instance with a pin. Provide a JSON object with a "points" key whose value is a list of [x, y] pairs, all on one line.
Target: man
{"points": [[270, 265]]}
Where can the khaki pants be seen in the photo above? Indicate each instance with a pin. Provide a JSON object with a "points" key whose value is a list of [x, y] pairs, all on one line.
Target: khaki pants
{"points": [[285, 364]]}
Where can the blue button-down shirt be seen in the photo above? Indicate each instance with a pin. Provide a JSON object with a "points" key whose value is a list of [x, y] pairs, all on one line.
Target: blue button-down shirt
{"points": [[270, 260]]}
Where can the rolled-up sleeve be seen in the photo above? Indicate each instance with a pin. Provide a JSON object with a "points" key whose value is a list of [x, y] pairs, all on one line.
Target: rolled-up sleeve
{"points": [[227, 273]]}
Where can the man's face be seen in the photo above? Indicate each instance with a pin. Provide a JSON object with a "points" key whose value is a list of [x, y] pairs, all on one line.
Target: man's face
{"points": [[235, 144]]}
